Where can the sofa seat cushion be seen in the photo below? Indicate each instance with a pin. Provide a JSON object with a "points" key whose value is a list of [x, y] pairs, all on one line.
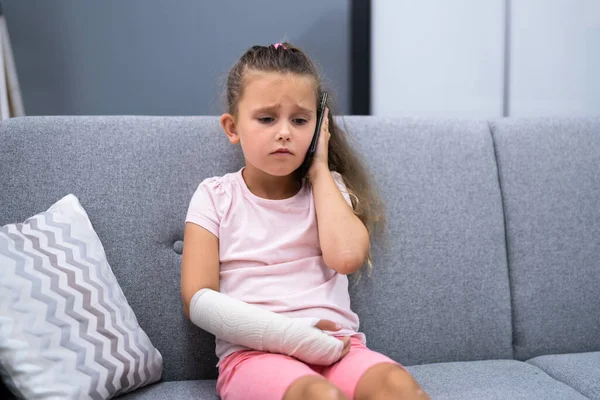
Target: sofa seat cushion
{"points": [[180, 390], [495, 379], [580, 370]]}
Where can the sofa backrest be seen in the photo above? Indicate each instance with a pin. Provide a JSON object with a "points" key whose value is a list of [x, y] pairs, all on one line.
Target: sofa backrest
{"points": [[135, 177], [550, 180], [439, 289]]}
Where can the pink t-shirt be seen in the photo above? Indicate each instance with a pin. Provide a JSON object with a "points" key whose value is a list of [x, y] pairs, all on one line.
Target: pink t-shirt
{"points": [[270, 253]]}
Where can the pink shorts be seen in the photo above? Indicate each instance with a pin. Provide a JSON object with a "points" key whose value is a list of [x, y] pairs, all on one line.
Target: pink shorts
{"points": [[250, 375]]}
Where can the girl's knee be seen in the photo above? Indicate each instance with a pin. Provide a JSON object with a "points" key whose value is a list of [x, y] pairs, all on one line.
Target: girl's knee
{"points": [[323, 390], [314, 388], [399, 382]]}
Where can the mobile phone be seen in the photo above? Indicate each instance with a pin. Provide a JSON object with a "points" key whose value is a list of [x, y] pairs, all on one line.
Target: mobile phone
{"points": [[315, 140]]}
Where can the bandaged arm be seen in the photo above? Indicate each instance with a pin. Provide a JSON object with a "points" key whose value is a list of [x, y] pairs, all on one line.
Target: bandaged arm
{"points": [[259, 329]]}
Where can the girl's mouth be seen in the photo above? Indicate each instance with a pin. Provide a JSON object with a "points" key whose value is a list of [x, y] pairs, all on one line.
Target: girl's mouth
{"points": [[282, 151]]}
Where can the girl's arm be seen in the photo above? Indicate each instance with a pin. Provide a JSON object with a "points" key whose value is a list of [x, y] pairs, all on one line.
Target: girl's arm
{"points": [[343, 237], [199, 263]]}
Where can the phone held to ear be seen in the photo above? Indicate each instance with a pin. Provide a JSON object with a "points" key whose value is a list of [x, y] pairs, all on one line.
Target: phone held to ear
{"points": [[315, 140]]}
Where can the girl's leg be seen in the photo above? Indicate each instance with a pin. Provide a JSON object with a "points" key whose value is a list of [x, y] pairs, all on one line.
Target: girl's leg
{"points": [[388, 381], [313, 388], [366, 374], [255, 375]]}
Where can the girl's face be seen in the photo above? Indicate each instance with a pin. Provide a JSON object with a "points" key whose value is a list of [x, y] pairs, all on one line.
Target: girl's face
{"points": [[275, 122]]}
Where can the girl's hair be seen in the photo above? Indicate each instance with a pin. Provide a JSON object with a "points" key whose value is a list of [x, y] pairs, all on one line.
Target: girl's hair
{"points": [[286, 58]]}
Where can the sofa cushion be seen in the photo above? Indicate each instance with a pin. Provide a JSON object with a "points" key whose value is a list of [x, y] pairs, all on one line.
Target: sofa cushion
{"points": [[498, 379], [136, 176], [66, 329], [439, 289], [550, 182], [579, 370], [180, 390]]}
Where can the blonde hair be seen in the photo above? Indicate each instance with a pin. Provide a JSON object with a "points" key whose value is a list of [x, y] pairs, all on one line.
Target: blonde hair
{"points": [[286, 58]]}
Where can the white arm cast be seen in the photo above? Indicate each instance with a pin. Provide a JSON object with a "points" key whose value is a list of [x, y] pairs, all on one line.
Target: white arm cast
{"points": [[251, 326]]}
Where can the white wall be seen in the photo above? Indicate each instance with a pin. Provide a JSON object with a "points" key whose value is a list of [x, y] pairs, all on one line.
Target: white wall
{"points": [[437, 58], [555, 57], [446, 58]]}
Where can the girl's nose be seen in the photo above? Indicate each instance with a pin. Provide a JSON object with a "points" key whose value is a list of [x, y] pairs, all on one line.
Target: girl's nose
{"points": [[284, 133], [284, 136]]}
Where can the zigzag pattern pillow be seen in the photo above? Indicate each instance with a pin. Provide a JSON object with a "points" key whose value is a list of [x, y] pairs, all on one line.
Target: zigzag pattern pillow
{"points": [[66, 329]]}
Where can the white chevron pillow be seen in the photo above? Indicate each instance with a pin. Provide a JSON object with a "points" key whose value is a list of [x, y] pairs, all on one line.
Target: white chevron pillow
{"points": [[66, 329]]}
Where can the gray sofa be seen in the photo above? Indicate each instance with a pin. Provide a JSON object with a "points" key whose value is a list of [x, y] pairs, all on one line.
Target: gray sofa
{"points": [[488, 286]]}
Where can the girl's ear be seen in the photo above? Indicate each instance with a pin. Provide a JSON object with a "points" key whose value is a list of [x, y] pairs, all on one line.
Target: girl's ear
{"points": [[228, 124]]}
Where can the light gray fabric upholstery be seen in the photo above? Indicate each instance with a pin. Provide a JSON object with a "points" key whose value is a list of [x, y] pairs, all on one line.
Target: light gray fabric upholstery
{"points": [[490, 380], [580, 371], [135, 177], [439, 292], [550, 180], [177, 390], [500, 379]]}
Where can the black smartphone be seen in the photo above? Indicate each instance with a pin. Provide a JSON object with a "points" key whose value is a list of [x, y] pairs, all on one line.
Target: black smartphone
{"points": [[315, 140]]}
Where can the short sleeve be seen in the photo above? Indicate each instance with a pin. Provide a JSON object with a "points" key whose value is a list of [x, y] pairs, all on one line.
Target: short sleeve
{"points": [[339, 181], [205, 205]]}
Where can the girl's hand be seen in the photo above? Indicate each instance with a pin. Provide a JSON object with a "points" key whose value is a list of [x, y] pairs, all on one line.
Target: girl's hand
{"points": [[327, 325], [320, 160], [346, 350]]}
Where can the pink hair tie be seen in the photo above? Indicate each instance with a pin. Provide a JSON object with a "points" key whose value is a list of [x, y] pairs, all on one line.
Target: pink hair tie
{"points": [[276, 45]]}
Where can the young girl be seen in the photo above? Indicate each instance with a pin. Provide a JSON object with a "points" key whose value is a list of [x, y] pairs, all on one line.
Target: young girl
{"points": [[267, 252]]}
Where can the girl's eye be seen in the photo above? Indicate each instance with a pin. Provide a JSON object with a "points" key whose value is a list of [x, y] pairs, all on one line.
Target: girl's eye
{"points": [[268, 120]]}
